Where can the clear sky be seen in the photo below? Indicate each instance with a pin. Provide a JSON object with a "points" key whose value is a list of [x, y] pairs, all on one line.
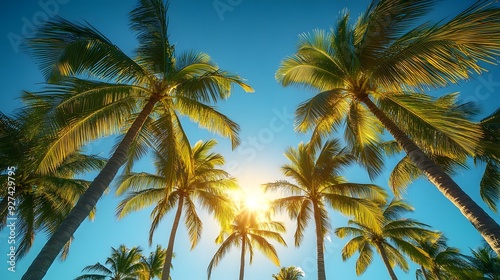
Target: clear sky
{"points": [[249, 37]]}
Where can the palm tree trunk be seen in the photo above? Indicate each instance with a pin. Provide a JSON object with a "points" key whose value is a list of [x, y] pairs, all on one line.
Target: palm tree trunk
{"points": [[485, 225], [242, 259], [319, 243], [170, 249], [87, 201], [383, 254]]}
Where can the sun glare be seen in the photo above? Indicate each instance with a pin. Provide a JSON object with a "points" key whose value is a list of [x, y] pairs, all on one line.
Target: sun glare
{"points": [[256, 201]]}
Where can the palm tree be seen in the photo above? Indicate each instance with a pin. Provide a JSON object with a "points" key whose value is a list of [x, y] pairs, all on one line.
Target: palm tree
{"points": [[289, 273], [318, 185], [123, 264], [367, 74], [248, 230], [98, 90], [153, 263], [39, 201], [485, 261], [445, 262], [392, 238], [489, 154], [202, 182]]}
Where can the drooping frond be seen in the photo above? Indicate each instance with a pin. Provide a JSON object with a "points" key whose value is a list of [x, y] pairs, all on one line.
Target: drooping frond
{"points": [[62, 48], [432, 56], [149, 21], [230, 241], [382, 23], [209, 118], [435, 128]]}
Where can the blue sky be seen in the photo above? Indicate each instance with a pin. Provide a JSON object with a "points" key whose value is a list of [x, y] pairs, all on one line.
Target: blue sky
{"points": [[249, 38]]}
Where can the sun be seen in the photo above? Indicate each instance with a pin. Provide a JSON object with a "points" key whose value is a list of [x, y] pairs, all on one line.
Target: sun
{"points": [[256, 201], [251, 199]]}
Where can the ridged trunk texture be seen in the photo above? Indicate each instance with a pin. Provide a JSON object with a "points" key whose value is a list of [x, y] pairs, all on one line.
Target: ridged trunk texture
{"points": [[242, 260], [87, 201], [383, 254], [484, 224], [170, 249], [319, 244]]}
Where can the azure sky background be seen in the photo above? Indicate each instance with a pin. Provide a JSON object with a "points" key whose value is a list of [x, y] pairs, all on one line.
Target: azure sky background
{"points": [[250, 38]]}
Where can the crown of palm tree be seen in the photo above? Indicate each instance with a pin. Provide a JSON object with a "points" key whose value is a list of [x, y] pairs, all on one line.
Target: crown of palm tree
{"points": [[371, 75], [42, 200], [96, 89], [316, 185], [392, 238], [247, 231], [123, 264]]}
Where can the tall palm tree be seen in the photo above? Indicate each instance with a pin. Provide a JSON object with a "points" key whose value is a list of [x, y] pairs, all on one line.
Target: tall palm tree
{"points": [[392, 238], [98, 90], [367, 74], [248, 230], [202, 183], [123, 264], [289, 273], [485, 261], [445, 262], [40, 201], [153, 263], [318, 185]]}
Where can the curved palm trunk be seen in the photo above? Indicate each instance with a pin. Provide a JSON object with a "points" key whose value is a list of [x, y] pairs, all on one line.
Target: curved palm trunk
{"points": [[319, 244], [484, 224], [383, 254], [170, 249], [242, 259], [87, 201]]}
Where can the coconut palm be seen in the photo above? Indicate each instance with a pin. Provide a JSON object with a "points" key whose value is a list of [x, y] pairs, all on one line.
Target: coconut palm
{"points": [[369, 75], [123, 264], [202, 183], [248, 230], [445, 262], [289, 273], [485, 261], [391, 238], [98, 90], [153, 263], [317, 185], [489, 154], [39, 201]]}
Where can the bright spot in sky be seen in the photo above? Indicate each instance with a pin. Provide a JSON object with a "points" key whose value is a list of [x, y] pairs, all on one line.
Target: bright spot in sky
{"points": [[252, 199], [256, 201]]}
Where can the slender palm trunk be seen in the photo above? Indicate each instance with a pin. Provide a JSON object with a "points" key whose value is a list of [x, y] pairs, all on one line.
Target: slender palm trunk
{"points": [[242, 259], [484, 224], [87, 201], [170, 249], [383, 254], [319, 244]]}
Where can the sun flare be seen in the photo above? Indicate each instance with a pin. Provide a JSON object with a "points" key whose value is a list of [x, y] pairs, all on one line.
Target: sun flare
{"points": [[256, 201]]}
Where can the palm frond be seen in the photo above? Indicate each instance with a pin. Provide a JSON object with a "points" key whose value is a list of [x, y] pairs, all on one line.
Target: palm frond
{"points": [[62, 48]]}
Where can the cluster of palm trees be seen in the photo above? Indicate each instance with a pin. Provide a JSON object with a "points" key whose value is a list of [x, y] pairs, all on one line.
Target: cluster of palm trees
{"points": [[371, 76], [125, 263]]}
